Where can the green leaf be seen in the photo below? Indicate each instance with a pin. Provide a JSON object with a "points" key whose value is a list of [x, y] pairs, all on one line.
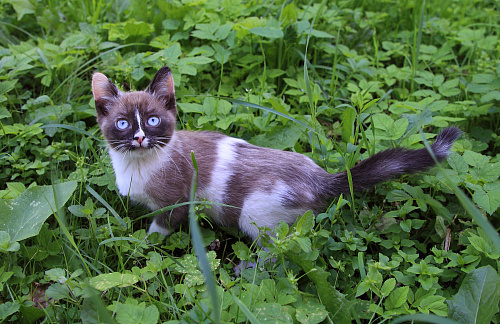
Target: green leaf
{"points": [[31, 314], [109, 280], [221, 54], [311, 311], [280, 137], [435, 304], [388, 286], [488, 172], [6, 86], [334, 301], [457, 162], [475, 159], [489, 200], [241, 250], [22, 7], [348, 119], [477, 299], [7, 309], [56, 274], [397, 298], [304, 243], [305, 223], [57, 291], [6, 245], [449, 88], [272, 313], [136, 314], [388, 129], [24, 216], [267, 32]]}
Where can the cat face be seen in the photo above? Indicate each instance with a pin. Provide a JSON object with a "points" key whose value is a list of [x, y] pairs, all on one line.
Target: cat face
{"points": [[136, 121]]}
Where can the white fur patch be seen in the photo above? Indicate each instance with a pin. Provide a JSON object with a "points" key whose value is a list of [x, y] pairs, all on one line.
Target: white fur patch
{"points": [[133, 169], [155, 228], [222, 172], [265, 209], [139, 133]]}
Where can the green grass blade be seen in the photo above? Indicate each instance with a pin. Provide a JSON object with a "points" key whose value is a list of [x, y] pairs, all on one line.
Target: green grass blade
{"points": [[251, 105], [165, 209], [121, 238], [102, 201], [73, 128], [199, 248], [245, 310]]}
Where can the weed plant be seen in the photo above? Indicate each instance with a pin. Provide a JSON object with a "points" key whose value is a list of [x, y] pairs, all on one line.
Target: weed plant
{"points": [[335, 80]]}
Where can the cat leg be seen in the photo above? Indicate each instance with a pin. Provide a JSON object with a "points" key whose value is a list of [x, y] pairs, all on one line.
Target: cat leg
{"points": [[155, 228], [167, 222], [264, 209]]}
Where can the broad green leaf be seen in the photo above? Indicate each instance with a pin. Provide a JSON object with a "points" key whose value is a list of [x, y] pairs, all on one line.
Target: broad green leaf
{"points": [[7, 309], [457, 162], [136, 314], [388, 286], [305, 223], [267, 32], [56, 274], [272, 313], [130, 28], [449, 88], [435, 304], [320, 34], [388, 129], [477, 299], [488, 200], [280, 137], [221, 54], [241, 250], [311, 311], [304, 243], [4, 113], [6, 244], [475, 159], [334, 301], [348, 119], [488, 172], [478, 88], [24, 216], [6, 86], [397, 298], [57, 291], [31, 314], [109, 280], [492, 95], [22, 7]]}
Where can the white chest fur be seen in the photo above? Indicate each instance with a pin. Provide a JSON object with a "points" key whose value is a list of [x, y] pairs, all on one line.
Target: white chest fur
{"points": [[133, 170]]}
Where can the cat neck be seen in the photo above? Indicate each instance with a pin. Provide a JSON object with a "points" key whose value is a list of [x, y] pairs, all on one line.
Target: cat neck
{"points": [[134, 169]]}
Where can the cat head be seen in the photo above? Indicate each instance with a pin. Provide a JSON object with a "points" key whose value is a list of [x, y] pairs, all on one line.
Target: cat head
{"points": [[137, 120]]}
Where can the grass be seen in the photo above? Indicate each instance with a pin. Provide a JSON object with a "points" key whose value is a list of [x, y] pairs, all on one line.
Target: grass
{"points": [[335, 80]]}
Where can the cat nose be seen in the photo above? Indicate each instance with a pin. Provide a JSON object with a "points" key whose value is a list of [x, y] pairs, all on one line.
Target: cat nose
{"points": [[139, 139]]}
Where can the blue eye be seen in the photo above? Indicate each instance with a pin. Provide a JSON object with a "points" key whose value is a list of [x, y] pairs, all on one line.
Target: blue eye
{"points": [[121, 124], [153, 121]]}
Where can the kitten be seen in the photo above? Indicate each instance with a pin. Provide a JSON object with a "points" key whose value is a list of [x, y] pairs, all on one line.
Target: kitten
{"points": [[153, 166]]}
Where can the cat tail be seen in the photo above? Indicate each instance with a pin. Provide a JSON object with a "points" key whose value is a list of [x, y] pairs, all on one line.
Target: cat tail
{"points": [[392, 163]]}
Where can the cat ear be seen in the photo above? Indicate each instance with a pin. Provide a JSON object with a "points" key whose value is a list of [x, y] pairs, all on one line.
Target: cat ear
{"points": [[104, 92], [162, 87]]}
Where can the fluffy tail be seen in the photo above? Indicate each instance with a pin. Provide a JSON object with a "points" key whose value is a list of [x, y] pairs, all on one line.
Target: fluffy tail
{"points": [[393, 163]]}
